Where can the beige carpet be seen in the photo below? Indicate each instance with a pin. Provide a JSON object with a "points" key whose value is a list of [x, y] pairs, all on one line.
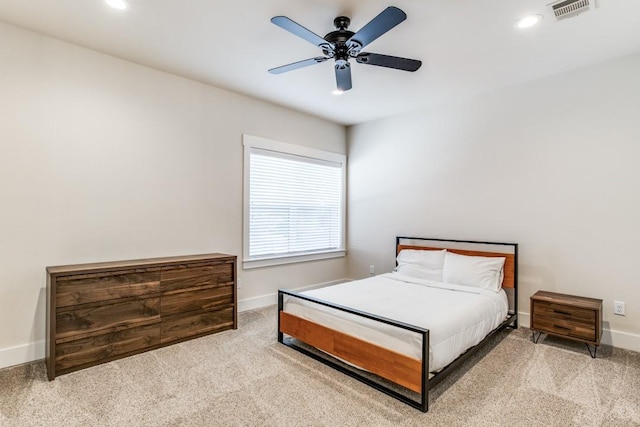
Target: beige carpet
{"points": [[245, 378]]}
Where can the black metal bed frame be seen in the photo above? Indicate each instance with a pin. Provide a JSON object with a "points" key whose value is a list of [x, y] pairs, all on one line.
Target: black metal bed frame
{"points": [[427, 383]]}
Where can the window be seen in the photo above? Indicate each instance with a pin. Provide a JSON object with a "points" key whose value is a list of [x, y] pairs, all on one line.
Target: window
{"points": [[294, 203]]}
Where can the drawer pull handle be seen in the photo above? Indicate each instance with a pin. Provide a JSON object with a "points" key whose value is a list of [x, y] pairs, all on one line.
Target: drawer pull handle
{"points": [[562, 312], [562, 327]]}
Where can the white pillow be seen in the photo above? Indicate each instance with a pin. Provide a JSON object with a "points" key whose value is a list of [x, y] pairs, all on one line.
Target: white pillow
{"points": [[477, 271], [422, 264], [419, 272]]}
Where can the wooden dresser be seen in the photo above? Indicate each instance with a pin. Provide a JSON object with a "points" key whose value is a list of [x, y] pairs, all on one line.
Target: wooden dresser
{"points": [[567, 316], [105, 311]]}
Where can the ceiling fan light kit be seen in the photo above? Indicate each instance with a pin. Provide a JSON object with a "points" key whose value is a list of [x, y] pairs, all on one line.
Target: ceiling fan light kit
{"points": [[343, 44]]}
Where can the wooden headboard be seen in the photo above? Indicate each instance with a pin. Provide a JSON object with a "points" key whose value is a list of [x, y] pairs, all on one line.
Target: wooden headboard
{"points": [[509, 263]]}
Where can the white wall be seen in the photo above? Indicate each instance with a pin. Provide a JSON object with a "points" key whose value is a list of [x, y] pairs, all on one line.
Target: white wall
{"points": [[551, 165], [102, 159]]}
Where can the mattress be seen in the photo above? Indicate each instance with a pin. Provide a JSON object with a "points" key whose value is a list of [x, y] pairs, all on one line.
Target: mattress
{"points": [[457, 317]]}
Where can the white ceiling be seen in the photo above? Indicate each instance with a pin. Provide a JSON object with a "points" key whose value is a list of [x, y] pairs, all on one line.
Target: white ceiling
{"points": [[466, 46]]}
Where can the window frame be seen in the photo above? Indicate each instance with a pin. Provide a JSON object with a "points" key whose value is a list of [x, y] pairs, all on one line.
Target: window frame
{"points": [[249, 143]]}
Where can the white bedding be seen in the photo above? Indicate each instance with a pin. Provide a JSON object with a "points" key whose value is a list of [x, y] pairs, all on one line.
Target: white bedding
{"points": [[458, 317]]}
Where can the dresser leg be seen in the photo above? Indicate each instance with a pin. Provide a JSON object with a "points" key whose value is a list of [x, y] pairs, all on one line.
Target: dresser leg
{"points": [[595, 349], [533, 336]]}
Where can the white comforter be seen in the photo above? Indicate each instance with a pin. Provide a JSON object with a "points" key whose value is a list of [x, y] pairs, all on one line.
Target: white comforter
{"points": [[458, 317]]}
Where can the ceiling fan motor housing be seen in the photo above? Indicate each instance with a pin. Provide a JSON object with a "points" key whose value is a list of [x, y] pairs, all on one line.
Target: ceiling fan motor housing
{"points": [[343, 44], [338, 39], [342, 22]]}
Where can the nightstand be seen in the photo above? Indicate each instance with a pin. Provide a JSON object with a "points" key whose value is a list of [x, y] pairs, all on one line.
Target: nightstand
{"points": [[567, 316]]}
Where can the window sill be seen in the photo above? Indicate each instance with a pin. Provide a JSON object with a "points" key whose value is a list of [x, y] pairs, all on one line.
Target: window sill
{"points": [[269, 262]]}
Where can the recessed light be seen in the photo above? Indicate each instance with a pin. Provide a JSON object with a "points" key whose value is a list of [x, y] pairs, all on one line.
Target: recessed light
{"points": [[337, 92], [528, 21], [117, 4]]}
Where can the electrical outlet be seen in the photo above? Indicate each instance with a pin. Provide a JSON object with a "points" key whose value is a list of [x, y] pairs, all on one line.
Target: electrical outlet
{"points": [[619, 308], [372, 269], [239, 283]]}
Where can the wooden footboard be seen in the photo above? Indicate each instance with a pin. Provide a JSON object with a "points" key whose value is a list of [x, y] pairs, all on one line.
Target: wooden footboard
{"points": [[399, 369], [403, 370]]}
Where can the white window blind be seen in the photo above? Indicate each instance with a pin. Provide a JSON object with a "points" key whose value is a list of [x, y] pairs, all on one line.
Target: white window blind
{"points": [[295, 204]]}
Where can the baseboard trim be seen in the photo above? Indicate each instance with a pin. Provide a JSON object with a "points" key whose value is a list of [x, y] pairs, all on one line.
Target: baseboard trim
{"points": [[22, 354], [272, 299], [609, 336]]}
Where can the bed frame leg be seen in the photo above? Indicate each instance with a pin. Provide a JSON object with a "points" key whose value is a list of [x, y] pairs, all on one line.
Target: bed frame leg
{"points": [[424, 404], [280, 307]]}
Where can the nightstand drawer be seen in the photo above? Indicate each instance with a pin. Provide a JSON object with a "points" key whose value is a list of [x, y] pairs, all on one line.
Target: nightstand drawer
{"points": [[565, 327], [562, 312]]}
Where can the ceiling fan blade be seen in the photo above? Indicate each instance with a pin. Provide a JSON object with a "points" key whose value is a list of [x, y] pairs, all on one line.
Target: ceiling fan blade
{"points": [[395, 62], [343, 77], [298, 30], [296, 65], [386, 20]]}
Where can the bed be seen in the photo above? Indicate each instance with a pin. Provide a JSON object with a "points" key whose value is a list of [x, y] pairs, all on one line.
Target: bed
{"points": [[403, 332]]}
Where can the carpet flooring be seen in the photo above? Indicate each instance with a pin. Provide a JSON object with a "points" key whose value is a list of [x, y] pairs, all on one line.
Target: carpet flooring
{"points": [[245, 378]]}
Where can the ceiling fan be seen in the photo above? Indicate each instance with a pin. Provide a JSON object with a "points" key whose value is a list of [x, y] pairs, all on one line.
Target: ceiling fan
{"points": [[342, 44]]}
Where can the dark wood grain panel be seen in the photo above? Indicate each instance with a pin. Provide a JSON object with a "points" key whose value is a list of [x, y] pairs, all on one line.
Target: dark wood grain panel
{"points": [[565, 327], [106, 346], [566, 312], [183, 284], [106, 287], [568, 300], [95, 319], [180, 326], [198, 299], [98, 274], [183, 271], [136, 264], [184, 278]]}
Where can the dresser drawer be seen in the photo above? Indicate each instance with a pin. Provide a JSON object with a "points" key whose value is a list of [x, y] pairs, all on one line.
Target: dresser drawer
{"points": [[182, 326], [200, 299], [195, 277], [93, 319], [105, 287], [87, 351]]}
